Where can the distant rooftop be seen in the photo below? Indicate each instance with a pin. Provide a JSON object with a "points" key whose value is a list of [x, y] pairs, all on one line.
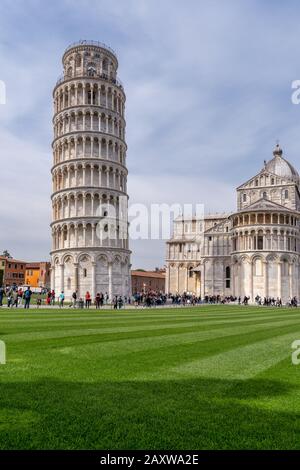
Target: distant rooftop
{"points": [[204, 217], [154, 274]]}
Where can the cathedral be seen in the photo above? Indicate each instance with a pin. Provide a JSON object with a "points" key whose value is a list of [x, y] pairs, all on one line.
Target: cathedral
{"points": [[252, 252]]}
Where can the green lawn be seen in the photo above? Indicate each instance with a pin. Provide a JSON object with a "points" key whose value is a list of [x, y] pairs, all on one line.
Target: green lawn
{"points": [[214, 377]]}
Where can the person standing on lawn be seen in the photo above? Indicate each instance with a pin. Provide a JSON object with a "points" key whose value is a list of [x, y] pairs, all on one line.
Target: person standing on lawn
{"points": [[74, 297], [15, 298], [1, 296], [53, 297], [61, 299], [20, 296], [48, 299], [27, 297], [98, 300], [39, 301], [87, 299], [9, 298], [120, 302]]}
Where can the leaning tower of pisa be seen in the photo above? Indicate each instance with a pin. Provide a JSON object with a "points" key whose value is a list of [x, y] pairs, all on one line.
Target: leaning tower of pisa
{"points": [[89, 200]]}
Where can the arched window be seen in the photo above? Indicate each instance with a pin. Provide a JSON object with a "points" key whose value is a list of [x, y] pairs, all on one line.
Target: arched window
{"points": [[78, 61], [272, 181], [286, 194], [264, 194], [191, 272], [234, 244], [69, 72], [256, 182], [260, 242], [91, 69], [258, 267], [244, 197], [285, 268], [227, 277], [105, 65]]}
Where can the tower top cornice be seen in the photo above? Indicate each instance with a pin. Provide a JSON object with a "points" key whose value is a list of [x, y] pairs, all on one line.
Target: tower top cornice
{"points": [[86, 44]]}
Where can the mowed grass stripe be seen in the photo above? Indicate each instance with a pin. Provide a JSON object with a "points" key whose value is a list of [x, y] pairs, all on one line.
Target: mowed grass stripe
{"points": [[130, 365], [85, 326], [87, 335], [175, 386], [253, 359], [118, 347], [204, 311]]}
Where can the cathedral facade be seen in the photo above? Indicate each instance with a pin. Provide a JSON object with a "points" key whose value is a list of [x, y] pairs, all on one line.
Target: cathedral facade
{"points": [[254, 251]]}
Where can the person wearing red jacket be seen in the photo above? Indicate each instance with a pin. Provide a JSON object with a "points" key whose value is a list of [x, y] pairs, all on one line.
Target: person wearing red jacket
{"points": [[87, 299]]}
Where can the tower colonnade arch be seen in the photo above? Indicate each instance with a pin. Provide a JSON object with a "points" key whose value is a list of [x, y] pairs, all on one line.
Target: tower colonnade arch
{"points": [[92, 91], [90, 145], [88, 119], [89, 174]]}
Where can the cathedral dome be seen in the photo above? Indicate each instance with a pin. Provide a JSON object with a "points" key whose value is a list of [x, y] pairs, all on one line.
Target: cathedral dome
{"points": [[281, 167]]}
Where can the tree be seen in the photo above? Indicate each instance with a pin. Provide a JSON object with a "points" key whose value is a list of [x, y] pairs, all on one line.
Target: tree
{"points": [[6, 254]]}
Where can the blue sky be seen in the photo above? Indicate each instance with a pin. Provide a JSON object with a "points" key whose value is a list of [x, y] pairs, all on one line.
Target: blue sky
{"points": [[208, 87]]}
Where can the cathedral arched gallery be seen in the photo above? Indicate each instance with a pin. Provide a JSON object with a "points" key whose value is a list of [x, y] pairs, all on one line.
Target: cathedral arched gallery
{"points": [[251, 252]]}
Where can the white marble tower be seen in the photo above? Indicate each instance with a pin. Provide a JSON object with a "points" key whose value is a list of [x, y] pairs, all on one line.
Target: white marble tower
{"points": [[89, 240]]}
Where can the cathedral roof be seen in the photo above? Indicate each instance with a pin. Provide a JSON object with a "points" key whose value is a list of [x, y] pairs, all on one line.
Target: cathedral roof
{"points": [[265, 204], [281, 167]]}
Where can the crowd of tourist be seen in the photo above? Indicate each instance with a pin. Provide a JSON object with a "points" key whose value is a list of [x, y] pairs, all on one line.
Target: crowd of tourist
{"points": [[16, 296], [272, 302], [23, 297]]}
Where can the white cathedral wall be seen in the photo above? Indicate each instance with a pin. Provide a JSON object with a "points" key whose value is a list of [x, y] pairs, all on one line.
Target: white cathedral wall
{"points": [[244, 278], [182, 279], [208, 285], [173, 279], [285, 285], [192, 284], [258, 281], [273, 270], [218, 277]]}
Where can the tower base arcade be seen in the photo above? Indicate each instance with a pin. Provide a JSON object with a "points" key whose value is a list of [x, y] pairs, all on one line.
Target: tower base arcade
{"points": [[104, 271]]}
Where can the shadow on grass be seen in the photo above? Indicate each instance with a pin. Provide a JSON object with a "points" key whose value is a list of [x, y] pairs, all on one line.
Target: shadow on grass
{"points": [[188, 414]]}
